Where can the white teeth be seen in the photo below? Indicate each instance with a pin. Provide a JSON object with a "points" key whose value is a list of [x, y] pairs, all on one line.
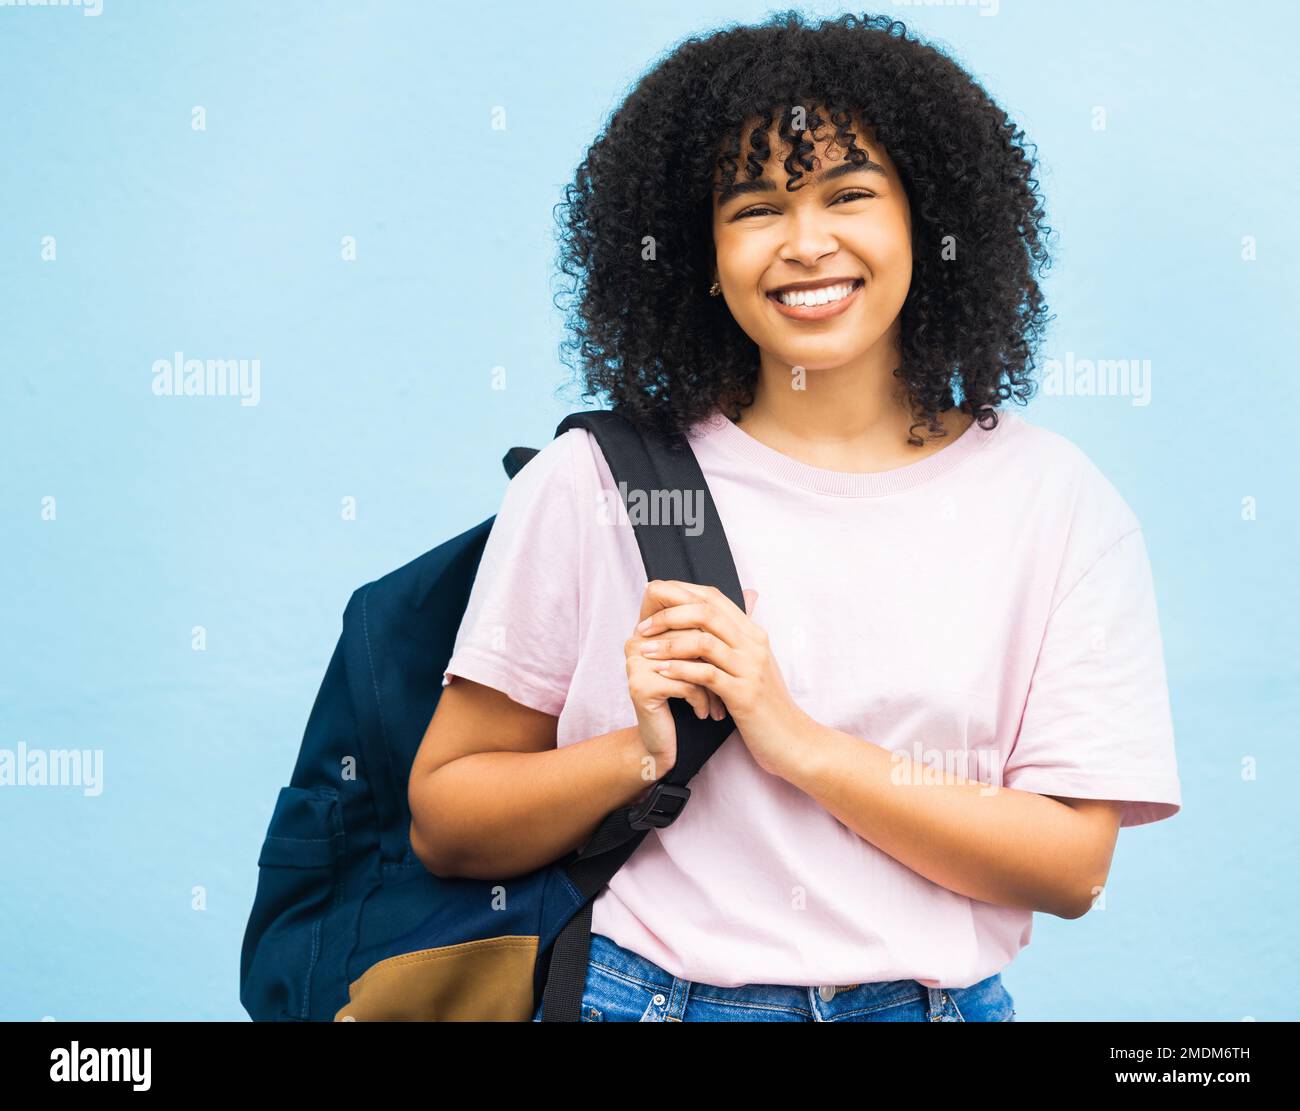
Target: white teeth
{"points": [[822, 296]]}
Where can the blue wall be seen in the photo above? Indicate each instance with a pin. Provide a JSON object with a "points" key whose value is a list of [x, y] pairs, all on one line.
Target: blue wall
{"points": [[327, 120]]}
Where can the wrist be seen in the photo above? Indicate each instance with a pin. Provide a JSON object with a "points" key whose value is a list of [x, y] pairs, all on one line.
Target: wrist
{"points": [[803, 759], [644, 767]]}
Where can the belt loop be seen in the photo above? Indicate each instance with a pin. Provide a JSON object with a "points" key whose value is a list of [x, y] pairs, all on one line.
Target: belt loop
{"points": [[677, 999]]}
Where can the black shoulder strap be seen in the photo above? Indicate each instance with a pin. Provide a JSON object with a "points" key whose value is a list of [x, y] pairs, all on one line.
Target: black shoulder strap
{"points": [[645, 463]]}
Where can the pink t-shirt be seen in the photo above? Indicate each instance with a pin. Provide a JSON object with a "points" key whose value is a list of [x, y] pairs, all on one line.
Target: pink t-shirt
{"points": [[988, 608]]}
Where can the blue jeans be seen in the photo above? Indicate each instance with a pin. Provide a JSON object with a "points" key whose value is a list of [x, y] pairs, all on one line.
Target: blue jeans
{"points": [[624, 987]]}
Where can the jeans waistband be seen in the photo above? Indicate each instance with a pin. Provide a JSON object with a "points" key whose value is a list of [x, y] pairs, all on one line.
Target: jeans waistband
{"points": [[623, 962]]}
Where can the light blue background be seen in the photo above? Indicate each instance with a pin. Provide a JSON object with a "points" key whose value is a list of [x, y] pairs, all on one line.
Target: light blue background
{"points": [[329, 119]]}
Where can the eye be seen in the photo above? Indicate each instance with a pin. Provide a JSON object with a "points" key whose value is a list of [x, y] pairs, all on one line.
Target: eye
{"points": [[763, 210]]}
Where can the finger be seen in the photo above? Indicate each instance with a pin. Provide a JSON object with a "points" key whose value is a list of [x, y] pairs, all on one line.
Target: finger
{"points": [[658, 594], [645, 680], [694, 615], [703, 610], [693, 644], [699, 701], [732, 616], [705, 674], [717, 708], [651, 688], [720, 598], [661, 592]]}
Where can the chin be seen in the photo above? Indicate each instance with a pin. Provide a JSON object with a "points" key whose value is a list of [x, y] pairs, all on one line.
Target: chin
{"points": [[820, 358]]}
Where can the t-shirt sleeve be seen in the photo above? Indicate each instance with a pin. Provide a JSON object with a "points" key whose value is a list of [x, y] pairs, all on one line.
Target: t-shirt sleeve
{"points": [[519, 632], [1097, 722]]}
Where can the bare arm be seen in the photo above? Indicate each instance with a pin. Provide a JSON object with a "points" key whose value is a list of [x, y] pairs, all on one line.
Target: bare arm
{"points": [[1013, 848], [492, 796], [999, 845]]}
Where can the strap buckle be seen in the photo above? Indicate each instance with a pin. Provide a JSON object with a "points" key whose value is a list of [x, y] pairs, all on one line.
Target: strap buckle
{"points": [[660, 807]]}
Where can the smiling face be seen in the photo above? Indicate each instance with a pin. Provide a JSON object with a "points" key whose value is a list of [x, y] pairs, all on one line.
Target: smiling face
{"points": [[839, 246]]}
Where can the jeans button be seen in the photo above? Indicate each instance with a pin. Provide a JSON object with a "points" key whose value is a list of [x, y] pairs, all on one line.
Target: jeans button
{"points": [[827, 993], [659, 1001]]}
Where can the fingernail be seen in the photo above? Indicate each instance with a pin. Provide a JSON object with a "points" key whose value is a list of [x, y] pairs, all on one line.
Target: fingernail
{"points": [[644, 627]]}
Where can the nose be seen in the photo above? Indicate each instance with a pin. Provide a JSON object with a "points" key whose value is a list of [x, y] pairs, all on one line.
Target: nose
{"points": [[809, 239]]}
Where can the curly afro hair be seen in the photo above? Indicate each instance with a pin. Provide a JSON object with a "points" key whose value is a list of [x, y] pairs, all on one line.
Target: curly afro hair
{"points": [[648, 338]]}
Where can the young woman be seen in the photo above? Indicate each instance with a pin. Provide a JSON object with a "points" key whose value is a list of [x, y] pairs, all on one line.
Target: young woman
{"points": [[796, 245]]}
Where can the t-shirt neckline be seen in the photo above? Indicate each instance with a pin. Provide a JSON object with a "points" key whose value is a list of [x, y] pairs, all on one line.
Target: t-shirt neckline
{"points": [[718, 429]]}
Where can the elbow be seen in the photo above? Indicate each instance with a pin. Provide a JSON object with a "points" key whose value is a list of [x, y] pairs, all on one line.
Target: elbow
{"points": [[421, 849], [425, 845], [429, 854], [1072, 910], [1080, 899]]}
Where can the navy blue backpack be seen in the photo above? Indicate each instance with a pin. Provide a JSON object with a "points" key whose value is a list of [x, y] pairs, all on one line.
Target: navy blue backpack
{"points": [[347, 924]]}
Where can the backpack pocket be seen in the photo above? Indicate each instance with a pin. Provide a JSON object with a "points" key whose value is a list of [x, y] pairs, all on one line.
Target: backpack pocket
{"points": [[470, 956], [298, 881]]}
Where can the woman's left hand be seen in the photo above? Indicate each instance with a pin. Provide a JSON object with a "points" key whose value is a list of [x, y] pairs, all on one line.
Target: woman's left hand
{"points": [[703, 637]]}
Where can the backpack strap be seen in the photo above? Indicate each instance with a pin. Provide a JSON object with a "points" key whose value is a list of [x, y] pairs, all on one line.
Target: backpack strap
{"points": [[515, 459], [643, 461]]}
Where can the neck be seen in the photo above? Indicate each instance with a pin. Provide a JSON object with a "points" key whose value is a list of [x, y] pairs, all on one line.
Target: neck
{"points": [[854, 417]]}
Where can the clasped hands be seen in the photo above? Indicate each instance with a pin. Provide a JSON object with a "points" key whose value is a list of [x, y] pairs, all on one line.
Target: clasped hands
{"points": [[698, 635]]}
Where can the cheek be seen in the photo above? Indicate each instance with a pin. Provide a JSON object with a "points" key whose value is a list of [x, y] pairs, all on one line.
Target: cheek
{"points": [[742, 258], [886, 246]]}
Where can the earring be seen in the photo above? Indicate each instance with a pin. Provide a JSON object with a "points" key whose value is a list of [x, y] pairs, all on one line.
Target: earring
{"points": [[715, 289]]}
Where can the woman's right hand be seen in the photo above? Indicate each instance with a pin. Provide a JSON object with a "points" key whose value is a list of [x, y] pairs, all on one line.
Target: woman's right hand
{"points": [[650, 692]]}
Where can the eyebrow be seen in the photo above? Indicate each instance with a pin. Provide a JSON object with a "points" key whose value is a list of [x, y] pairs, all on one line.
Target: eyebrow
{"points": [[767, 185]]}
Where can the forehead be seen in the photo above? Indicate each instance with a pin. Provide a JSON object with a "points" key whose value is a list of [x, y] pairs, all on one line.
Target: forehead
{"points": [[827, 148]]}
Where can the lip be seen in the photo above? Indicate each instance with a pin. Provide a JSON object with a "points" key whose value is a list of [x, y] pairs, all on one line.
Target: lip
{"points": [[817, 312]]}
